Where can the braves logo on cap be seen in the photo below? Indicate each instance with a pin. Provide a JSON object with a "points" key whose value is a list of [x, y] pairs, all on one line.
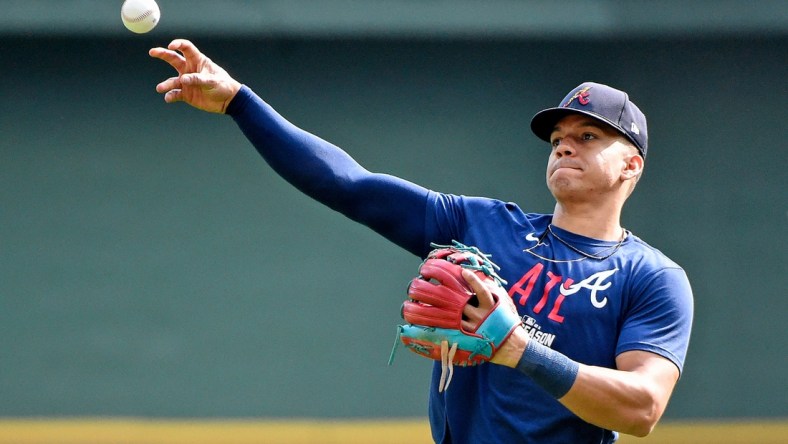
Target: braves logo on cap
{"points": [[581, 95]]}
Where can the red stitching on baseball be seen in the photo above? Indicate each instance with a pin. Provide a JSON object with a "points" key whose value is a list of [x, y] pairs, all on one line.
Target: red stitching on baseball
{"points": [[139, 17]]}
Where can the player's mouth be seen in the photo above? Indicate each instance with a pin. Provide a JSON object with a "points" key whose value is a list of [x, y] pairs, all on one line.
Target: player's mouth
{"points": [[565, 166]]}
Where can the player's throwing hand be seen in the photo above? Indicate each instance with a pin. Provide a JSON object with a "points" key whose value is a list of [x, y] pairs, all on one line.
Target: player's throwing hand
{"points": [[200, 82]]}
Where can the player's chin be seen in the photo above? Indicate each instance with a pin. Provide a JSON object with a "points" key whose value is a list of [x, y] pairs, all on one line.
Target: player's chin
{"points": [[559, 180], [562, 187]]}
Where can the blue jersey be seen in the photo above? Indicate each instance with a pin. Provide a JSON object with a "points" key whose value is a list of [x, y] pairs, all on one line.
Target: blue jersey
{"points": [[590, 310]]}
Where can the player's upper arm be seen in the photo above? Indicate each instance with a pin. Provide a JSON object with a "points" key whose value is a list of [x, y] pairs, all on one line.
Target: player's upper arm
{"points": [[658, 374]]}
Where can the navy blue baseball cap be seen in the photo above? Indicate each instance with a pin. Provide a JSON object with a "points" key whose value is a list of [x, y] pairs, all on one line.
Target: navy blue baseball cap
{"points": [[602, 103]]}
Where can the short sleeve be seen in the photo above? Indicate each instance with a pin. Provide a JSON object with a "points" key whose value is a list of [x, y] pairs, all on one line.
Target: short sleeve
{"points": [[659, 318]]}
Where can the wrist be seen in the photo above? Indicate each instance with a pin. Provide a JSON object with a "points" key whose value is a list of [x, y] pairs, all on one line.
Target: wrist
{"points": [[512, 349], [236, 100], [552, 370]]}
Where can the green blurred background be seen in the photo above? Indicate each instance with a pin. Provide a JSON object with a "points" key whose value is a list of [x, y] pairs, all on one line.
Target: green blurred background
{"points": [[152, 265]]}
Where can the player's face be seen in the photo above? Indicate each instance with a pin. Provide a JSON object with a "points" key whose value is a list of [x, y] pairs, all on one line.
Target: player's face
{"points": [[587, 159]]}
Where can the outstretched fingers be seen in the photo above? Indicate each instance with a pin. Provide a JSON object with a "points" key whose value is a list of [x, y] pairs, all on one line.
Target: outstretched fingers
{"points": [[172, 96], [179, 54], [186, 48], [200, 82], [169, 85], [173, 58], [192, 79]]}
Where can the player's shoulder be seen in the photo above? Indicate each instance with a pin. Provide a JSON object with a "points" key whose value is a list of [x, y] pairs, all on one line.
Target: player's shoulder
{"points": [[655, 279], [648, 255], [476, 204], [498, 211]]}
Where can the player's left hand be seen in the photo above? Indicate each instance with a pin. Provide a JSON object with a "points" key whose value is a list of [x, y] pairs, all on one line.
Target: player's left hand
{"points": [[200, 82]]}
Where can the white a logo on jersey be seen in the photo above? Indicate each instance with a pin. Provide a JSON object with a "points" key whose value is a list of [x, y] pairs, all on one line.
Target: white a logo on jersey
{"points": [[595, 283]]}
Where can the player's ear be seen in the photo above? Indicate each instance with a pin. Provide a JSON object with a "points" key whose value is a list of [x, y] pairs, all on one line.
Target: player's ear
{"points": [[633, 164]]}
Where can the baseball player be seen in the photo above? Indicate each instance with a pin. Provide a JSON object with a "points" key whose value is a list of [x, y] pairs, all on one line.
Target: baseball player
{"points": [[603, 319]]}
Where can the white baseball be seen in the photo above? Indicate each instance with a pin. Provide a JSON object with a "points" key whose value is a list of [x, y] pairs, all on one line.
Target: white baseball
{"points": [[140, 16]]}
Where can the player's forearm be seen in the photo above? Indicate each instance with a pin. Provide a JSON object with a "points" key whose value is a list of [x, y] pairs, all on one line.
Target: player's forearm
{"points": [[625, 401], [616, 400], [308, 162], [389, 205]]}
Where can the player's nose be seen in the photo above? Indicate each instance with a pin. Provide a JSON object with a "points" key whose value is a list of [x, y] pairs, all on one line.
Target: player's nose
{"points": [[564, 148]]}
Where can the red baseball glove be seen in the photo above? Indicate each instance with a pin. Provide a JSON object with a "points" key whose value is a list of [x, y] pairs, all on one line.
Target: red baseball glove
{"points": [[434, 311]]}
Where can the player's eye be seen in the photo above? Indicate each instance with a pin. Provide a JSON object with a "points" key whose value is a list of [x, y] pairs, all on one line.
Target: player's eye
{"points": [[588, 136], [555, 142]]}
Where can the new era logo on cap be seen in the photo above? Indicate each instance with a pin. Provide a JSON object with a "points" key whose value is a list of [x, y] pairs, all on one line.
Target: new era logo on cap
{"points": [[600, 102]]}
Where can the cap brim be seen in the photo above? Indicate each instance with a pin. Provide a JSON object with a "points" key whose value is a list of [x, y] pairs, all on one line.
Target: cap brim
{"points": [[543, 123]]}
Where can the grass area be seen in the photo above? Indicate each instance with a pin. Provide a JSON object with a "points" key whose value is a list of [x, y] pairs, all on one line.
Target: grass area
{"points": [[416, 431]]}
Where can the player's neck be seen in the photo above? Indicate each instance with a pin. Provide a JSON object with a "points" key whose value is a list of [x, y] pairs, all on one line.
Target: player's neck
{"points": [[590, 221]]}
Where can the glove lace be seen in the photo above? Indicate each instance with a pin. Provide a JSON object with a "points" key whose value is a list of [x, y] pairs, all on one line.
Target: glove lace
{"points": [[473, 262]]}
